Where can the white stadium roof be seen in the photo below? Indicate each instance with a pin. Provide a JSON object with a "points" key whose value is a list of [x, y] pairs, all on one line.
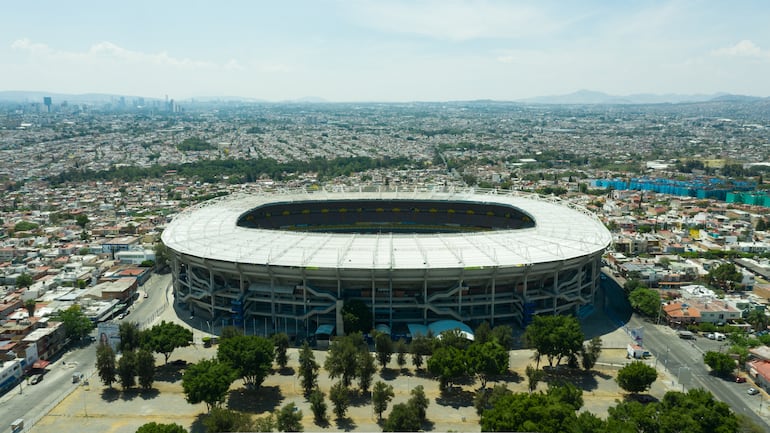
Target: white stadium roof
{"points": [[561, 232]]}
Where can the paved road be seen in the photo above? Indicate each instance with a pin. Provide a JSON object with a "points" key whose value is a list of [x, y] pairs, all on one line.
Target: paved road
{"points": [[684, 361], [31, 402]]}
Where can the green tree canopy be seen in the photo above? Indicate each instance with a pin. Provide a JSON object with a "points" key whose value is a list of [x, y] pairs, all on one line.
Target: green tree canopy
{"points": [[165, 337], [106, 364], [645, 301], [338, 394], [250, 356], [154, 427], [540, 412], [447, 363], [356, 317], [76, 324], [487, 360], [130, 336], [555, 337], [721, 363], [207, 381], [694, 412], [365, 368], [308, 369], [382, 394], [24, 280], [82, 220], [403, 417], [636, 377], [226, 420], [145, 368], [318, 406], [127, 370], [341, 358], [289, 418], [724, 276], [383, 345], [281, 342], [419, 401]]}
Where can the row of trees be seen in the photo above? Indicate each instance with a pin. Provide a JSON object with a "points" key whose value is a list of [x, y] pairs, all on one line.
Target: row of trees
{"points": [[137, 347], [247, 357]]}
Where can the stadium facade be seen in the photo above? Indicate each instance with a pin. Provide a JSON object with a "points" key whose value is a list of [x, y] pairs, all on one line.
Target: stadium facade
{"points": [[292, 259]]}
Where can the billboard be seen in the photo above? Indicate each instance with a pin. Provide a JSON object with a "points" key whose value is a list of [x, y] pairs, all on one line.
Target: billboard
{"points": [[109, 333]]}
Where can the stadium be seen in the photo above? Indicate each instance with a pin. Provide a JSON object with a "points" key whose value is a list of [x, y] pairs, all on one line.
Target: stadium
{"points": [[292, 259]]}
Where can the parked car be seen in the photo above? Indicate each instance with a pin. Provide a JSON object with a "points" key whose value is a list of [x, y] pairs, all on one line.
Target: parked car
{"points": [[36, 379], [753, 391], [740, 379]]}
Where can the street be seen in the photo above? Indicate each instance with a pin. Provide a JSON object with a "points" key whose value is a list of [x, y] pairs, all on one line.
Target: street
{"points": [[31, 402]]}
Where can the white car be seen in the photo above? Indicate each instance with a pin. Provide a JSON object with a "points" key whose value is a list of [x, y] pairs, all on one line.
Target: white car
{"points": [[753, 391]]}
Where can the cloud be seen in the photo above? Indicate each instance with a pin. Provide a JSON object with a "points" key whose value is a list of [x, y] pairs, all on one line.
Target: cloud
{"points": [[744, 48], [456, 20], [109, 51]]}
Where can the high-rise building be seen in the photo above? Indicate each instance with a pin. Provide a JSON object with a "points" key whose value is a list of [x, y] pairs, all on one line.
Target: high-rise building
{"points": [[47, 103]]}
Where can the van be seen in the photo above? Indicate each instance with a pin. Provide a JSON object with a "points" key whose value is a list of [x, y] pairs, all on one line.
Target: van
{"points": [[76, 377]]}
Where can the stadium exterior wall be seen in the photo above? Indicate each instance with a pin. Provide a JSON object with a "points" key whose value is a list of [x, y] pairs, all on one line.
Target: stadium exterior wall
{"points": [[300, 295]]}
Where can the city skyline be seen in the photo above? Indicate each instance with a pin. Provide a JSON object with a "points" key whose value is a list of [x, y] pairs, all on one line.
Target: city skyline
{"points": [[386, 51]]}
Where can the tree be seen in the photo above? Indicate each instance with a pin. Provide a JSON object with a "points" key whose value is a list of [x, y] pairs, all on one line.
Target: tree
{"points": [[724, 276], [556, 337], [538, 412], [154, 427], [590, 353], [289, 418], [341, 359], [130, 336], [207, 381], [482, 333], [365, 369], [383, 345], [758, 319], [318, 406], [485, 398], [226, 420], [230, 331], [30, 305], [356, 317], [24, 280], [721, 363], [281, 342], [338, 394], [419, 348], [308, 369], [145, 368], [566, 392], [447, 363], [503, 335], [82, 220], [165, 337], [161, 255], [694, 412], [419, 401], [402, 418], [636, 377], [76, 324], [401, 351], [105, 364], [645, 301], [485, 360], [251, 357], [127, 370], [534, 376], [382, 394]]}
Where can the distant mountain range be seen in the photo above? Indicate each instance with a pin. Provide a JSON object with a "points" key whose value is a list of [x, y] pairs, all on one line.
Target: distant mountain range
{"points": [[589, 97], [581, 97]]}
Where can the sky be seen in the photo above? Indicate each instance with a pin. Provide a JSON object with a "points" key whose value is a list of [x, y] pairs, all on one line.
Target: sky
{"points": [[386, 50]]}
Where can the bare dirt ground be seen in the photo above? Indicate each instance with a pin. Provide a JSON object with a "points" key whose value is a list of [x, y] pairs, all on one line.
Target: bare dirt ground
{"points": [[96, 408]]}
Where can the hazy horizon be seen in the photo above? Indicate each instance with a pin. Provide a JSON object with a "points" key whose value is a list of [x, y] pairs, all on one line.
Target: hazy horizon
{"points": [[396, 51]]}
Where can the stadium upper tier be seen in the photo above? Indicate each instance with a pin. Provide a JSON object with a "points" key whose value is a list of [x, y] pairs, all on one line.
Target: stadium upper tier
{"points": [[387, 230]]}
